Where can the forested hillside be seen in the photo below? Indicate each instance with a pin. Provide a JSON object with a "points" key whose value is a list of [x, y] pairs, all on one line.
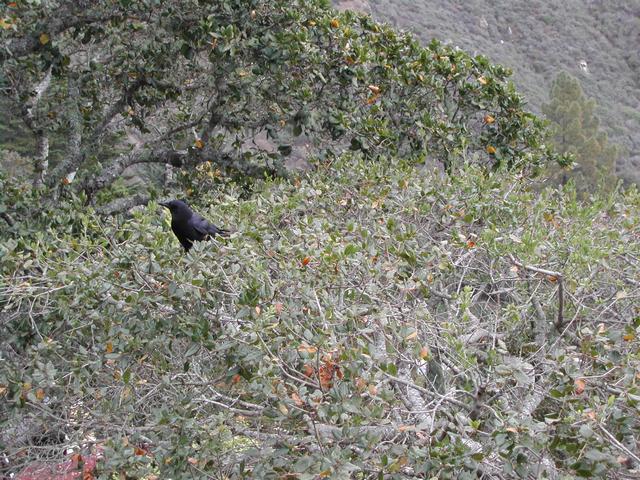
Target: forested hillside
{"points": [[597, 41], [416, 303]]}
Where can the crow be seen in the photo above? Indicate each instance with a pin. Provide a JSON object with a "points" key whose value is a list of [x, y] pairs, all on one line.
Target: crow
{"points": [[189, 226]]}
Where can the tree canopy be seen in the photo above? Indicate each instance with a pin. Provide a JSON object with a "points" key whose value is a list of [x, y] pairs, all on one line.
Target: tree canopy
{"points": [[201, 80], [593, 41]]}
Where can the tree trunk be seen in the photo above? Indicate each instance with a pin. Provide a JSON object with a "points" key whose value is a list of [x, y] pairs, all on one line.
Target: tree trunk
{"points": [[41, 159]]}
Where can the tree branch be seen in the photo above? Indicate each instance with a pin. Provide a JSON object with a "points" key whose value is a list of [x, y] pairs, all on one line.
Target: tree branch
{"points": [[41, 158], [7, 218], [330, 432], [123, 204], [74, 152], [531, 268], [112, 172], [552, 274], [34, 100], [76, 156]]}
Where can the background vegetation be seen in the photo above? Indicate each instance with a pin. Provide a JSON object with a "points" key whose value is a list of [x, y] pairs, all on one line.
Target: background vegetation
{"points": [[413, 304], [540, 39]]}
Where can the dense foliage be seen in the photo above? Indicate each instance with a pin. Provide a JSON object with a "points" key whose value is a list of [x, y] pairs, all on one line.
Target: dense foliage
{"points": [[363, 320], [595, 41], [412, 305], [127, 82]]}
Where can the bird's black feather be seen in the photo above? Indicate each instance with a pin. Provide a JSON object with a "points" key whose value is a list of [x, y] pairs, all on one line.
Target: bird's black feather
{"points": [[189, 226]]}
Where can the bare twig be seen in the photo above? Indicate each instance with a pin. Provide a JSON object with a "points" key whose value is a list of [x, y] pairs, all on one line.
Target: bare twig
{"points": [[556, 276]]}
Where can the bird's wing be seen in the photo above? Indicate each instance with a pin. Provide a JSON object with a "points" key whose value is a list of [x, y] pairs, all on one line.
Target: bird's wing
{"points": [[204, 227]]}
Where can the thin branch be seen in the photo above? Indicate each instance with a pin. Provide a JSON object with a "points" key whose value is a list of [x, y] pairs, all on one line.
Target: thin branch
{"points": [[453, 401], [238, 411], [560, 319], [614, 441], [553, 274], [330, 432], [8, 218], [123, 204], [531, 268]]}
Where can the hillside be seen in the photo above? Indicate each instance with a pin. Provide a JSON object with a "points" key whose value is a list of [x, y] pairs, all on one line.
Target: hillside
{"points": [[539, 39]]}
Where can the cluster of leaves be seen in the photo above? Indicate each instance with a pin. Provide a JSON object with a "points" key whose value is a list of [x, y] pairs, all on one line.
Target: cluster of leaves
{"points": [[235, 72], [364, 321], [539, 40]]}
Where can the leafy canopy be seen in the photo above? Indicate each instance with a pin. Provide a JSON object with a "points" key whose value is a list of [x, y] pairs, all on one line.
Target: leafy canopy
{"points": [[367, 319], [131, 82]]}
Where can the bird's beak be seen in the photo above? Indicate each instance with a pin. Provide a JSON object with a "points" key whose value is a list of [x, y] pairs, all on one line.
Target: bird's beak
{"points": [[164, 204]]}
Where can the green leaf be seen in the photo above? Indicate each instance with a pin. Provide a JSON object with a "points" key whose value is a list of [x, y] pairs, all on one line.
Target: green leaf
{"points": [[586, 431], [351, 249], [193, 349]]}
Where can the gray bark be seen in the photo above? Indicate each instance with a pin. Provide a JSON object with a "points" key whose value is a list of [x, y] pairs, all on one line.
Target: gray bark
{"points": [[42, 140], [41, 159], [123, 204]]}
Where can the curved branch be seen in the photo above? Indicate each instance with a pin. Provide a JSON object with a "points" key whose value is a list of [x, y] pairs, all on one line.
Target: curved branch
{"points": [[76, 155], [8, 218], [123, 204], [175, 158], [113, 171]]}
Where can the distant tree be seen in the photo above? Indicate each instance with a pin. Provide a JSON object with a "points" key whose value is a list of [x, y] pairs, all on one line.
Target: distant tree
{"points": [[577, 131]]}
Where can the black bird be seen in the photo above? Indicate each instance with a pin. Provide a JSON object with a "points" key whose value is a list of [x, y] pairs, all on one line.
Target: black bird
{"points": [[189, 226]]}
